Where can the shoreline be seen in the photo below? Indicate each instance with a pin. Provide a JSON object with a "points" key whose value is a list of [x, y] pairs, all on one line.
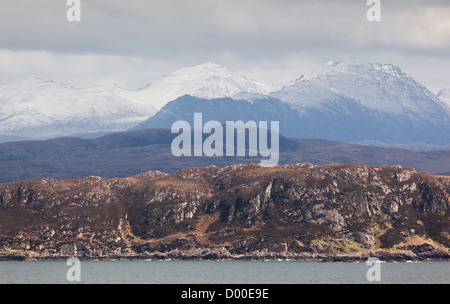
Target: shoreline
{"points": [[382, 256]]}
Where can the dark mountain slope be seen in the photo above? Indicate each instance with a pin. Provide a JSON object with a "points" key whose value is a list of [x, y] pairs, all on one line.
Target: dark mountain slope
{"points": [[129, 153]]}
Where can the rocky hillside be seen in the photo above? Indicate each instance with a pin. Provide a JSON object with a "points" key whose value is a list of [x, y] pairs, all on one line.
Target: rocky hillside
{"points": [[302, 211]]}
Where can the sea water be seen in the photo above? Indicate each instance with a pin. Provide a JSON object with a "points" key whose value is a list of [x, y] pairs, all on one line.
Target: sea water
{"points": [[221, 272]]}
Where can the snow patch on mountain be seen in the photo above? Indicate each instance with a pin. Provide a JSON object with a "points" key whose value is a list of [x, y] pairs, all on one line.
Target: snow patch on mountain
{"points": [[207, 80], [348, 102], [340, 101], [380, 87], [37, 109]]}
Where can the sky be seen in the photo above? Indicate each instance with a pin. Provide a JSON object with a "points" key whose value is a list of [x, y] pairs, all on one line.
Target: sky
{"points": [[132, 43]]}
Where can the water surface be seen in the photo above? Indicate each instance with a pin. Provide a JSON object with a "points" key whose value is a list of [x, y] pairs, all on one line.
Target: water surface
{"points": [[222, 272]]}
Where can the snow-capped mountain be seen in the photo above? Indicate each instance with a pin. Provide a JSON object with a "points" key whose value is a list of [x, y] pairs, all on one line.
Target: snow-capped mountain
{"points": [[355, 102], [37, 109], [40, 109], [207, 80], [340, 101], [381, 87]]}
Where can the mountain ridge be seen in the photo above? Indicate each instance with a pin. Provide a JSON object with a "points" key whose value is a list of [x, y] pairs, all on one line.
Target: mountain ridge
{"points": [[340, 101], [129, 153], [357, 102], [355, 81], [41, 109], [208, 80]]}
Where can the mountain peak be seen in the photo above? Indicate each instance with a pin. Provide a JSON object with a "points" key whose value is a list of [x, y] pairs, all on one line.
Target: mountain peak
{"points": [[332, 67], [349, 67], [36, 82], [333, 63], [208, 80], [388, 69], [19, 92], [348, 87], [210, 64], [204, 70]]}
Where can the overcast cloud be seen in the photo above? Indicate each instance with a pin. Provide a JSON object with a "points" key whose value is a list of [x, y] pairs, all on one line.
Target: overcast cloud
{"points": [[132, 43]]}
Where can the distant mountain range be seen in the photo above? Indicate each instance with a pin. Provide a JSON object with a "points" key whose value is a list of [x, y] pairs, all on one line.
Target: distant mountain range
{"points": [[355, 102], [340, 101], [226, 109], [419, 147], [129, 153], [40, 109]]}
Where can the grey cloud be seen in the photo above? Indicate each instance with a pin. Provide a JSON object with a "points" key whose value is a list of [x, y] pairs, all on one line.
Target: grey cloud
{"points": [[264, 31]]}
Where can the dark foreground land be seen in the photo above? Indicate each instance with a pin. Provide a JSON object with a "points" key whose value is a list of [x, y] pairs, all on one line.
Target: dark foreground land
{"points": [[300, 211]]}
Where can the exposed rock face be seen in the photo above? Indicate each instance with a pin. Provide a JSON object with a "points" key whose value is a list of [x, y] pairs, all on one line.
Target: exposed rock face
{"points": [[302, 211]]}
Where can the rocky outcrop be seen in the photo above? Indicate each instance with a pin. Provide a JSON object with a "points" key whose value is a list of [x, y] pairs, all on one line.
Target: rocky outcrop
{"points": [[302, 211]]}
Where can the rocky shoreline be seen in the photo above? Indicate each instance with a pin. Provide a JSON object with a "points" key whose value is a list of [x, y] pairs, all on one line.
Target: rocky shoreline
{"points": [[422, 253], [361, 258]]}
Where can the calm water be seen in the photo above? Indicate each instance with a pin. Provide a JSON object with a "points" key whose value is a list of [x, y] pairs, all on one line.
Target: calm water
{"points": [[222, 272]]}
